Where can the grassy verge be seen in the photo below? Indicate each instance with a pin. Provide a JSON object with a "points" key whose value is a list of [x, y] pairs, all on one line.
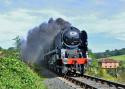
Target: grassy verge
{"points": [[120, 57], [14, 74]]}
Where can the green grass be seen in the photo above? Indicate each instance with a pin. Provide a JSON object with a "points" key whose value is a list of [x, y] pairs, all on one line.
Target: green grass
{"points": [[120, 57], [14, 74]]}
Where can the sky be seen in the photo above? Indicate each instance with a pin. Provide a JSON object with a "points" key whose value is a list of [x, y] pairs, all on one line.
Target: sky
{"points": [[104, 20]]}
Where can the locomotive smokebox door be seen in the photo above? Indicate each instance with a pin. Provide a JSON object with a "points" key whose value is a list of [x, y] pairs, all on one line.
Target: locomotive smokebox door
{"points": [[71, 37]]}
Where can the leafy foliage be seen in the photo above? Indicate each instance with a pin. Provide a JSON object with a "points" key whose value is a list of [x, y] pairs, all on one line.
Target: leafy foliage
{"points": [[121, 77], [91, 54], [14, 74], [17, 42], [95, 69]]}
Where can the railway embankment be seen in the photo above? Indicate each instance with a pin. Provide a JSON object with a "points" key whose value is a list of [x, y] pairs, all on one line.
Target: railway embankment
{"points": [[15, 74]]}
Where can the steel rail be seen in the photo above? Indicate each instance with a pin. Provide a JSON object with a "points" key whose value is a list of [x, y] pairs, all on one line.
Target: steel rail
{"points": [[110, 83], [77, 82], [95, 79]]}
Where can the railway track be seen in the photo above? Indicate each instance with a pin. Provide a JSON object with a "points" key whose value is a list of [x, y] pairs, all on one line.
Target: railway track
{"points": [[89, 82]]}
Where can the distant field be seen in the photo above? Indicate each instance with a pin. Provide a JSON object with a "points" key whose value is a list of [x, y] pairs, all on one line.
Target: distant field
{"points": [[120, 57]]}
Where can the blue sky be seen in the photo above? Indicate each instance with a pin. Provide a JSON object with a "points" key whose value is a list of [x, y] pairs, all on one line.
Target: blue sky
{"points": [[104, 20]]}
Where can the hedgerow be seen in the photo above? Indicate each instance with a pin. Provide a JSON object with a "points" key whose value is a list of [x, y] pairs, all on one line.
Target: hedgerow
{"points": [[15, 74]]}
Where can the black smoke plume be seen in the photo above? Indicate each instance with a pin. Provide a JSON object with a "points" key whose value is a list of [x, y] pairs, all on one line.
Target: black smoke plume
{"points": [[39, 37]]}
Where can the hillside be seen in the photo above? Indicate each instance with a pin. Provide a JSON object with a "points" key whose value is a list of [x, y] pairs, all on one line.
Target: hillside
{"points": [[108, 53], [14, 74], [120, 57]]}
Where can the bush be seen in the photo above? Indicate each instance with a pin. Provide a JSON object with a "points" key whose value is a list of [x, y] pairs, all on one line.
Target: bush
{"points": [[14, 74]]}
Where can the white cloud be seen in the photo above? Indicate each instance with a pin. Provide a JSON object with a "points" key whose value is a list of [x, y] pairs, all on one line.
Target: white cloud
{"points": [[122, 0], [7, 2], [14, 23], [112, 26], [24, 18], [100, 2], [18, 22]]}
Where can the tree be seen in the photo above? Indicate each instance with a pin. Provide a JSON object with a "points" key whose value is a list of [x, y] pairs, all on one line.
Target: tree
{"points": [[11, 48], [17, 42], [91, 54], [1, 48]]}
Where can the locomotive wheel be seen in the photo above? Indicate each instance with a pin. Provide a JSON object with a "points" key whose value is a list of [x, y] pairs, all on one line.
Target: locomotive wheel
{"points": [[60, 71]]}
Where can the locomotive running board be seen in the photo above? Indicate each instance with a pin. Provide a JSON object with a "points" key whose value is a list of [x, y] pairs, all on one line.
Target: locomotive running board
{"points": [[51, 52]]}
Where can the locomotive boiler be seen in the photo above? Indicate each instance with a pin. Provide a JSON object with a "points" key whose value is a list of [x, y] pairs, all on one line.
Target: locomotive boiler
{"points": [[68, 51]]}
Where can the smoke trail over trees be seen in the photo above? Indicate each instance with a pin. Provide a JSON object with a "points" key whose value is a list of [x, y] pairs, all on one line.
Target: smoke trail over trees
{"points": [[38, 37]]}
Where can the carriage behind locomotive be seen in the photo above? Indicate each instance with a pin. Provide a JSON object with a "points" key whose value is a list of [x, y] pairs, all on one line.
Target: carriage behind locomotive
{"points": [[68, 51]]}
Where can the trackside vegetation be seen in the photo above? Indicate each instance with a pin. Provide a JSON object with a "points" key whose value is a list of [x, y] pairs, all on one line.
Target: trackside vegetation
{"points": [[15, 74], [116, 75]]}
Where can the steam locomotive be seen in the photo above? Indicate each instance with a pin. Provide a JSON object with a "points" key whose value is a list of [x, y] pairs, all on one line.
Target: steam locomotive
{"points": [[68, 51]]}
